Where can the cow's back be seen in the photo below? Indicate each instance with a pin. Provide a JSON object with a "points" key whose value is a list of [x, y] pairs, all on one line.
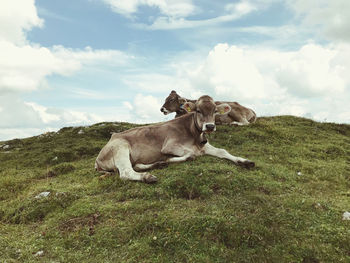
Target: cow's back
{"points": [[238, 112]]}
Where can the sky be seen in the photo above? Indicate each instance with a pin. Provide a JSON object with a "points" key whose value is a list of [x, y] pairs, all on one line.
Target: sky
{"points": [[72, 63]]}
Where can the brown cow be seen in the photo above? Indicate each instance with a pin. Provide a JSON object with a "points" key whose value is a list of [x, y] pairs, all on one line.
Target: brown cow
{"points": [[239, 115], [176, 140]]}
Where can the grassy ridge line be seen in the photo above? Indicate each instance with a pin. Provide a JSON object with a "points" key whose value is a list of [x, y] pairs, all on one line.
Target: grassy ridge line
{"points": [[288, 209]]}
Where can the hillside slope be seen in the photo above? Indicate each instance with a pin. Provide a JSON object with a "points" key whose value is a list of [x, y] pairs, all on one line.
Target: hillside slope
{"points": [[287, 209]]}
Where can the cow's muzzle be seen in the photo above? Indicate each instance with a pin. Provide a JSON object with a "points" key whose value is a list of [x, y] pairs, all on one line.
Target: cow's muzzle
{"points": [[209, 127], [164, 110]]}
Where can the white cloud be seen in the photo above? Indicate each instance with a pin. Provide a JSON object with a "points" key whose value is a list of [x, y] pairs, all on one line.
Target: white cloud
{"points": [[331, 16], [146, 108], [245, 72], [313, 81], [155, 82], [91, 56], [90, 94], [24, 68], [19, 114], [173, 13], [16, 114], [45, 116], [231, 73], [172, 8], [241, 8], [56, 117], [311, 72], [23, 65], [128, 105], [17, 17], [233, 12]]}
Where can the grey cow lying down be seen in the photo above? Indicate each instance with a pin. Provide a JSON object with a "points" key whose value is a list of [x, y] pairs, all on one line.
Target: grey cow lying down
{"points": [[238, 115], [139, 149]]}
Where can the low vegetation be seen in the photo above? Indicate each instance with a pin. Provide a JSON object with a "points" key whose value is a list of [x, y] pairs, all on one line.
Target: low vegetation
{"points": [[55, 208]]}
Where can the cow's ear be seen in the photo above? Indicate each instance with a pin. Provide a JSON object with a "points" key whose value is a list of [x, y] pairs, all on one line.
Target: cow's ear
{"points": [[223, 108], [173, 92], [181, 100], [189, 106]]}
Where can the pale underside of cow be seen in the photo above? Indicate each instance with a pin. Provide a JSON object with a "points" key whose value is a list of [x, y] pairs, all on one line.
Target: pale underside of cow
{"points": [[139, 149]]}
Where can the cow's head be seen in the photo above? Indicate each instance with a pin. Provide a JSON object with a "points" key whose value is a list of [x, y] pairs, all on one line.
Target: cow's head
{"points": [[205, 111], [172, 103]]}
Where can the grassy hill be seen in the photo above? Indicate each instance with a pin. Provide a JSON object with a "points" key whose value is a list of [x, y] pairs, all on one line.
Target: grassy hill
{"points": [[287, 209]]}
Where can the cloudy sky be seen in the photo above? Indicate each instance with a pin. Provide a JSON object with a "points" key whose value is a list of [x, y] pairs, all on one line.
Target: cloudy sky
{"points": [[67, 63]]}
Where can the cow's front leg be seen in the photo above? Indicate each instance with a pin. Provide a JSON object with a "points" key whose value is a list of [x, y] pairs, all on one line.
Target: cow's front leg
{"points": [[236, 123], [242, 122], [144, 167], [180, 152], [221, 153]]}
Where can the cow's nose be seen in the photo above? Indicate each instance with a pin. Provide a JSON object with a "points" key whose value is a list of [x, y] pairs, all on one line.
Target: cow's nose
{"points": [[162, 109], [210, 127]]}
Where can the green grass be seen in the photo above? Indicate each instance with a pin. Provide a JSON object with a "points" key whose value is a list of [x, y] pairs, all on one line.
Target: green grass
{"points": [[206, 210]]}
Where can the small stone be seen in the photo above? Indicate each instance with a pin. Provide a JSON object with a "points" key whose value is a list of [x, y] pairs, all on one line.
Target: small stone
{"points": [[154, 238], [346, 216], [42, 194], [299, 173], [39, 253], [55, 158], [81, 132]]}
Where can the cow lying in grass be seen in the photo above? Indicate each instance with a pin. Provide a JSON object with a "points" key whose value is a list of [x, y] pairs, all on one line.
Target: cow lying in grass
{"points": [[177, 140], [239, 115]]}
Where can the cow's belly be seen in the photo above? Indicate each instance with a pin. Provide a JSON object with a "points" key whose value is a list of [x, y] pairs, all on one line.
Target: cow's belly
{"points": [[146, 154]]}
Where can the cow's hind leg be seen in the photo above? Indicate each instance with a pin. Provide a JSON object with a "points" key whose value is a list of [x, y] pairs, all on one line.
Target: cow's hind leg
{"points": [[242, 122], [121, 159], [221, 153]]}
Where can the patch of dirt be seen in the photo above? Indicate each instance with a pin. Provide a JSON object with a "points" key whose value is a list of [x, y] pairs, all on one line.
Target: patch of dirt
{"points": [[77, 223]]}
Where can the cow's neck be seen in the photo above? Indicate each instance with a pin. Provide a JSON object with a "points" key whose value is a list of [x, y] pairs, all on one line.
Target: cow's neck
{"points": [[180, 112], [200, 134]]}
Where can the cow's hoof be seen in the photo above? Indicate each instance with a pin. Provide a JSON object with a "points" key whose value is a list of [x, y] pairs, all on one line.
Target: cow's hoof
{"points": [[162, 165], [105, 175], [150, 179], [246, 164], [191, 158]]}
